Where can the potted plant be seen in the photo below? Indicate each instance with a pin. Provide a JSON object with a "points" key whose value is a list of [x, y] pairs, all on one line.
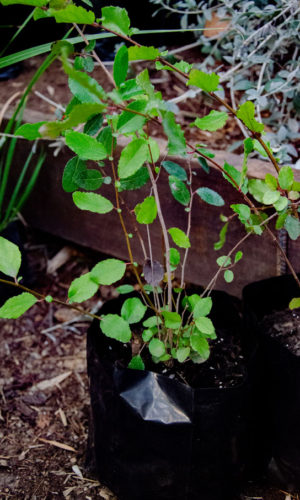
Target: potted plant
{"points": [[159, 430]]}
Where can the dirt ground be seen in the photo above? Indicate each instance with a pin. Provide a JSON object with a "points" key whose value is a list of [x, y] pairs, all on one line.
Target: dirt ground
{"points": [[44, 389]]}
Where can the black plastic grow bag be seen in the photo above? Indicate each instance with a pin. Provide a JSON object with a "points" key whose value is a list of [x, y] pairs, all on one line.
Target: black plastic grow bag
{"points": [[156, 438], [276, 378]]}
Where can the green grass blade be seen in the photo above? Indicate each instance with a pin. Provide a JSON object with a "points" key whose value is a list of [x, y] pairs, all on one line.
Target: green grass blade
{"points": [[16, 34]]}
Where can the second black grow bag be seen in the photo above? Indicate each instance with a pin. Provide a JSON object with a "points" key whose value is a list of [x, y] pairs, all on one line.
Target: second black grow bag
{"points": [[156, 438], [276, 377]]}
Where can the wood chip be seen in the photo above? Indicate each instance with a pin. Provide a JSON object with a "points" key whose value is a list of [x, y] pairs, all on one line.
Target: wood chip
{"points": [[63, 446], [46, 384], [63, 417], [61, 258]]}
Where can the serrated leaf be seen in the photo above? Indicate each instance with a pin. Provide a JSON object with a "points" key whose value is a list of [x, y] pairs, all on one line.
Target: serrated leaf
{"points": [[108, 271], [129, 89], [84, 87], [228, 276], [174, 169], [129, 121], [286, 178], [132, 158], [93, 124], [153, 272], [179, 237], [181, 65], [10, 258], [200, 345], [30, 130], [236, 176], [205, 81], [70, 175], [133, 310], [182, 354], [16, 306], [143, 81], [82, 288], [210, 196], [137, 53], [136, 363], [116, 19], [211, 122], [85, 146], [172, 319], [106, 139], [205, 325], [135, 181], [294, 303], [271, 182], [146, 211], [179, 190], [115, 327], [73, 14], [242, 210], [123, 289], [176, 140], [202, 307], [157, 348], [92, 202], [120, 67], [292, 225], [246, 114]]}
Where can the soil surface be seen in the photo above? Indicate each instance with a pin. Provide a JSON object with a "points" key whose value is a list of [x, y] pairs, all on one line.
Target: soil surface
{"points": [[44, 388], [284, 326]]}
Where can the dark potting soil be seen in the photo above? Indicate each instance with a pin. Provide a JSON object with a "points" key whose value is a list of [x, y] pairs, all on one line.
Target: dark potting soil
{"points": [[226, 365], [285, 327]]}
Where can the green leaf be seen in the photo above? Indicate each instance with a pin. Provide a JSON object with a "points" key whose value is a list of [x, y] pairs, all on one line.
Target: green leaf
{"points": [[205, 325], [210, 196], [271, 197], [248, 148], [222, 237], [129, 89], [108, 271], [181, 65], [174, 257], [176, 144], [246, 114], [106, 139], [238, 256], [236, 176], [82, 288], [73, 14], [204, 165], [144, 82], [286, 178], [146, 211], [10, 258], [200, 345], [130, 122], [294, 303], [30, 130], [202, 307], [85, 146], [152, 322], [116, 19], [155, 151], [175, 170], [84, 87], [271, 182], [205, 81], [133, 310], [132, 158], [228, 276], [292, 225], [92, 202], [115, 327], [182, 354], [135, 181], [142, 53], [136, 363], [179, 237], [179, 190], [91, 179], [123, 289], [281, 220], [172, 320], [157, 348], [223, 261], [213, 121], [70, 175], [16, 306], [147, 335], [120, 67], [93, 124], [242, 210]]}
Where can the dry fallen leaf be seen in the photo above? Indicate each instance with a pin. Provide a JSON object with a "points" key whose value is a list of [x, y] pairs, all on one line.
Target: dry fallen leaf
{"points": [[57, 444], [215, 26]]}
